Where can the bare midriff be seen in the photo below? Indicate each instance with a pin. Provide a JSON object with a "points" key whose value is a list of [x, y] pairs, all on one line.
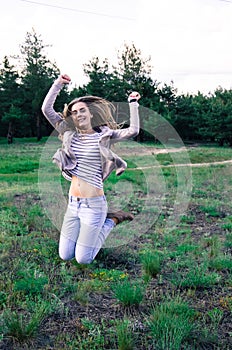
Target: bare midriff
{"points": [[82, 189]]}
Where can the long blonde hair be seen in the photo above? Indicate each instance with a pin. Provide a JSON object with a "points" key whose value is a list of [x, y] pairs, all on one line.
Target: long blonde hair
{"points": [[101, 109]]}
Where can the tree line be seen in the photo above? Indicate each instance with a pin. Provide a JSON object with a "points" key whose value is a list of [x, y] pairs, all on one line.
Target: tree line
{"points": [[26, 78]]}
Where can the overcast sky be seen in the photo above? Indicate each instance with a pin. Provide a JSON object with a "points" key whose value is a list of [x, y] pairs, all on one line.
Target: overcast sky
{"points": [[189, 41]]}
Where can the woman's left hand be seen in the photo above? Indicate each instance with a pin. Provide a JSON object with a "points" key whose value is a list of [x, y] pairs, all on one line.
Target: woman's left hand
{"points": [[63, 79]]}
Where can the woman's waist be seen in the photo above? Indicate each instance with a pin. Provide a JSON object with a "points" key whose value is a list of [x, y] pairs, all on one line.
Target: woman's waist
{"points": [[82, 189]]}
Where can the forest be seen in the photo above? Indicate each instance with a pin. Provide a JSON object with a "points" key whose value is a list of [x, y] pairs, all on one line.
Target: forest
{"points": [[26, 78]]}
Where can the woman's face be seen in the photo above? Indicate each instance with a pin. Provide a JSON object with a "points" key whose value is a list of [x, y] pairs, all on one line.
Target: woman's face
{"points": [[81, 116]]}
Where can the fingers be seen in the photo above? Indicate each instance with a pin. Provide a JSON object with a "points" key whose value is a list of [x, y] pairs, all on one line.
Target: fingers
{"points": [[134, 96]]}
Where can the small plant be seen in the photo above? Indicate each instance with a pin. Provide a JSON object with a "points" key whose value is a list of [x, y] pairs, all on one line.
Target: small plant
{"points": [[221, 263], [124, 335], [92, 337], [215, 316], [197, 277], [93, 285], [33, 218], [151, 263], [228, 242], [82, 296], [3, 299], [128, 293], [208, 329], [227, 226], [226, 302], [213, 245], [20, 326], [171, 324], [30, 284], [109, 275], [188, 219], [185, 248], [211, 211]]}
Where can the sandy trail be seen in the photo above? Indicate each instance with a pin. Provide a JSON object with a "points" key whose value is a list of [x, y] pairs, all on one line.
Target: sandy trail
{"points": [[152, 151], [184, 165]]}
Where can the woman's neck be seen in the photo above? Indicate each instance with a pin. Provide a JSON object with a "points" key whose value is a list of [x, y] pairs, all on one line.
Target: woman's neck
{"points": [[87, 131]]}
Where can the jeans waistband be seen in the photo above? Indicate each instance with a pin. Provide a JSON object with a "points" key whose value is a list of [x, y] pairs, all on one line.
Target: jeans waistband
{"points": [[86, 200]]}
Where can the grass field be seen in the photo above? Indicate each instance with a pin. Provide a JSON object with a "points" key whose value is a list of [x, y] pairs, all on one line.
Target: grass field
{"points": [[162, 281]]}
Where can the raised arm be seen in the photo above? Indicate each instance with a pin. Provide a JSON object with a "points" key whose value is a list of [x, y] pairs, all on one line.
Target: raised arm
{"points": [[133, 129], [48, 105]]}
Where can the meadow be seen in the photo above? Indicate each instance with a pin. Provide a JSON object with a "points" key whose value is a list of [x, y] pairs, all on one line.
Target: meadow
{"points": [[161, 282]]}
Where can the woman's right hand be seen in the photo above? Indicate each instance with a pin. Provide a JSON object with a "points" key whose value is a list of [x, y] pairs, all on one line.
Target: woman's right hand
{"points": [[134, 96], [63, 79]]}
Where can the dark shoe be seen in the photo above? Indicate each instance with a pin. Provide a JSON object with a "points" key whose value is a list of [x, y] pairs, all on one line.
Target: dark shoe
{"points": [[120, 216]]}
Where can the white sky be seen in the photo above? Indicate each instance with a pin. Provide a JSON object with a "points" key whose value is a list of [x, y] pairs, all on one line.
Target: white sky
{"points": [[189, 41]]}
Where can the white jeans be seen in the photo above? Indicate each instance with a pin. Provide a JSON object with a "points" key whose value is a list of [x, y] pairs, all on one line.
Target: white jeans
{"points": [[85, 229]]}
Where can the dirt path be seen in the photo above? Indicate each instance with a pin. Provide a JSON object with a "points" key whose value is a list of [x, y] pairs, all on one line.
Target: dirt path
{"points": [[185, 164], [143, 150], [153, 151]]}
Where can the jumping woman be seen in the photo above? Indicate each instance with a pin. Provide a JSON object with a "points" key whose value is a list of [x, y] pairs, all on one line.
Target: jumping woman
{"points": [[88, 129]]}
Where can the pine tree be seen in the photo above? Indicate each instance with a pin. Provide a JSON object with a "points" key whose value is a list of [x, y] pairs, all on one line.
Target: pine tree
{"points": [[37, 75]]}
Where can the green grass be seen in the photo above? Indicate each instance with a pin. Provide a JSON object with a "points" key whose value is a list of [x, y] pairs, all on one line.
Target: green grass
{"points": [[163, 281], [22, 327], [171, 323], [125, 335], [151, 263], [129, 293]]}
